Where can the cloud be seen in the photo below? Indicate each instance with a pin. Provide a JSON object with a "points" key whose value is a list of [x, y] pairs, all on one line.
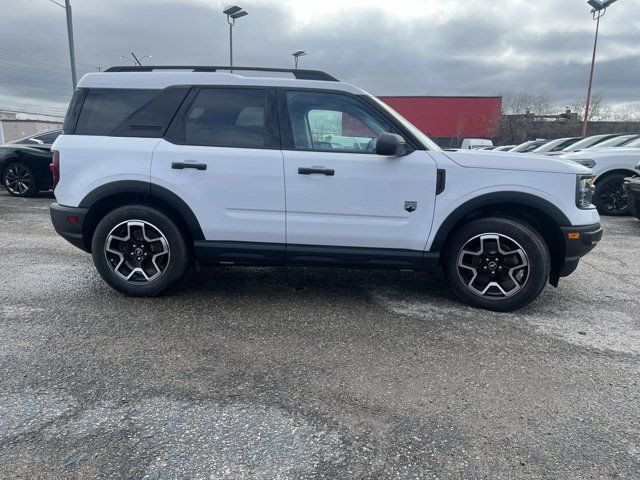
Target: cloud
{"points": [[457, 47]]}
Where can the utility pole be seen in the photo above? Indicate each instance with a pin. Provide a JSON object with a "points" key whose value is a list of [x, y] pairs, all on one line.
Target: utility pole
{"points": [[72, 55]]}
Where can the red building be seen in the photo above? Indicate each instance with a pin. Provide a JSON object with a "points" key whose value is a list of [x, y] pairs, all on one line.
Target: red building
{"points": [[448, 120]]}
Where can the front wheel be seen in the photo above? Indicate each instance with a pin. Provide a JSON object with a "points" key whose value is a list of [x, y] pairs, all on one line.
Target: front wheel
{"points": [[139, 251], [609, 196], [497, 263], [19, 180]]}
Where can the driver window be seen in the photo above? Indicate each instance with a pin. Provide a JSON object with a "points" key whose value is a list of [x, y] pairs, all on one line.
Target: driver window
{"points": [[333, 122]]}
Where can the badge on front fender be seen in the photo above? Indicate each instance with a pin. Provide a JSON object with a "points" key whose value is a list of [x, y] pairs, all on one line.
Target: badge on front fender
{"points": [[410, 206]]}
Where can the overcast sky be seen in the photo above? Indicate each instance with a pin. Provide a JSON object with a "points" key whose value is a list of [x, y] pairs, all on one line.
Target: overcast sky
{"points": [[421, 47]]}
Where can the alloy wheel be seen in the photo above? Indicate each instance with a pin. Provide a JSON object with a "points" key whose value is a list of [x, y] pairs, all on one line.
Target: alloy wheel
{"points": [[493, 265], [613, 197], [137, 251], [18, 180]]}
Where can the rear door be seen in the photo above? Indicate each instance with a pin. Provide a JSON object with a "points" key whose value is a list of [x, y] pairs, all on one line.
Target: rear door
{"points": [[221, 155], [339, 192]]}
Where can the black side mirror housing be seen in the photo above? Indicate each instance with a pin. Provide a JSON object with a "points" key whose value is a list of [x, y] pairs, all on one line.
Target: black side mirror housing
{"points": [[391, 145]]}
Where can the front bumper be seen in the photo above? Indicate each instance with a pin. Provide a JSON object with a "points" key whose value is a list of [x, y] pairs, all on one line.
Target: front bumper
{"points": [[69, 223], [632, 189], [578, 241], [632, 186]]}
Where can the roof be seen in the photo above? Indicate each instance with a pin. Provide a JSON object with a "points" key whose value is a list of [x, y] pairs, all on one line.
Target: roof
{"points": [[163, 79]]}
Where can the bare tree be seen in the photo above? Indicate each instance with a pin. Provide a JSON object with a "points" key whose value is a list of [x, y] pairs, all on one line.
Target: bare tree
{"points": [[598, 110], [537, 103], [628, 113]]}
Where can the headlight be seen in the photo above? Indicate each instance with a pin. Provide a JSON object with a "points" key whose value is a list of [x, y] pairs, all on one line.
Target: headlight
{"points": [[584, 191], [586, 162]]}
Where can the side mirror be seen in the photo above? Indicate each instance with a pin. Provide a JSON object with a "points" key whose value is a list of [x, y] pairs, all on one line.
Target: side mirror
{"points": [[391, 145]]}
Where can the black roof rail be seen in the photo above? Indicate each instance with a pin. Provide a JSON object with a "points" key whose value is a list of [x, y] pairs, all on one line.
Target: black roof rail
{"points": [[299, 74]]}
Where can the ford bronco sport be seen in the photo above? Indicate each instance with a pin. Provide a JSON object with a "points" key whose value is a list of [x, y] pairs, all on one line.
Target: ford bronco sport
{"points": [[160, 167]]}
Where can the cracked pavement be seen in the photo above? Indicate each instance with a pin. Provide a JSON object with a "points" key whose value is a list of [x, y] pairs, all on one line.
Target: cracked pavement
{"points": [[311, 373]]}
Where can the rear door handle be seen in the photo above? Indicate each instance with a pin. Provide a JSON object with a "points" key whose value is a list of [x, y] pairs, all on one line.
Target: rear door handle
{"points": [[329, 172], [183, 165]]}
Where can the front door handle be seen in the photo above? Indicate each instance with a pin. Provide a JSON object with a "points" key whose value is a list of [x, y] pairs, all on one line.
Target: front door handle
{"points": [[329, 172], [183, 165]]}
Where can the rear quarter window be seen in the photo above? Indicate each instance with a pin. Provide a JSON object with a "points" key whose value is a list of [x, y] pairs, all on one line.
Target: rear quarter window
{"points": [[105, 109]]}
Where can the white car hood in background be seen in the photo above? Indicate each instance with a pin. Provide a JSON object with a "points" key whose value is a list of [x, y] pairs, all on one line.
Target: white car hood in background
{"points": [[596, 153], [526, 162]]}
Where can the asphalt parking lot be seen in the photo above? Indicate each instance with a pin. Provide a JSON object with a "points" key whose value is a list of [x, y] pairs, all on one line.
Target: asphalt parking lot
{"points": [[311, 373]]}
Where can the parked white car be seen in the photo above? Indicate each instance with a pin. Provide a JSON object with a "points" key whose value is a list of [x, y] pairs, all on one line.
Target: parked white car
{"points": [[475, 143], [159, 169], [610, 167]]}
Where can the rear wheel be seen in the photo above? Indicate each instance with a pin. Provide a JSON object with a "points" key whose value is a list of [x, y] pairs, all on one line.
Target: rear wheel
{"points": [[609, 196], [19, 180], [139, 251], [497, 263]]}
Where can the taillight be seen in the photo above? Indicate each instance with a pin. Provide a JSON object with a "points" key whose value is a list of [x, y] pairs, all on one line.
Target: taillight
{"points": [[55, 167]]}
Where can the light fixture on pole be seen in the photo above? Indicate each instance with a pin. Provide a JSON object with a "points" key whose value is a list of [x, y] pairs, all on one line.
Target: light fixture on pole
{"points": [[72, 54], [296, 55], [599, 8], [135, 60], [233, 12]]}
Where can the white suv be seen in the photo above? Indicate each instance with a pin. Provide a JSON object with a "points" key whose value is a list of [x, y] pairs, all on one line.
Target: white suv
{"points": [[158, 169]]}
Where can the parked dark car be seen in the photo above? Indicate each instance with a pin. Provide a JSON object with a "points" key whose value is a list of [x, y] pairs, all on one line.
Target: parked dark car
{"points": [[24, 164], [632, 190], [527, 147]]}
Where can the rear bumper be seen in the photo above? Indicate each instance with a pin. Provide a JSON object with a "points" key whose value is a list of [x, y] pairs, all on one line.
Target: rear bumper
{"points": [[69, 223], [578, 241]]}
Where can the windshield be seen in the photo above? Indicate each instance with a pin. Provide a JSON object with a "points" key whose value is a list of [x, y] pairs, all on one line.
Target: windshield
{"points": [[422, 138], [634, 143], [584, 143], [526, 146], [616, 141]]}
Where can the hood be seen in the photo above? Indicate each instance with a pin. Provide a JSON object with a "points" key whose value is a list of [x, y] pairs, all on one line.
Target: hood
{"points": [[525, 162]]}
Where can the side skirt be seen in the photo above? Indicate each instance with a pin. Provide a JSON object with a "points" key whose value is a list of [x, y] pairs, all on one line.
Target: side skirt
{"points": [[257, 253]]}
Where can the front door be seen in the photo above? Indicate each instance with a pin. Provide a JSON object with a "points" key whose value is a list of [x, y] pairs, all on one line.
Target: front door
{"points": [[339, 193]]}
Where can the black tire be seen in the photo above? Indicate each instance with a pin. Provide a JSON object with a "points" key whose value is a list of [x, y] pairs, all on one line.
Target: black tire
{"points": [[509, 230], [609, 196], [19, 180], [177, 259]]}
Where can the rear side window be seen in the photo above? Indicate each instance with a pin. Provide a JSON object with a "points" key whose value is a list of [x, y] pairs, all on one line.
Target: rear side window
{"points": [[227, 117], [105, 109]]}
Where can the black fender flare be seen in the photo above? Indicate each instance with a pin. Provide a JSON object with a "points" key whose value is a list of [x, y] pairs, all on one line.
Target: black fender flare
{"points": [[125, 187], [496, 198]]}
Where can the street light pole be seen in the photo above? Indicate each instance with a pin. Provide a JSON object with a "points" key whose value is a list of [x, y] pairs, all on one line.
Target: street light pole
{"points": [[72, 55], [598, 11], [296, 55], [596, 16], [231, 22], [232, 12]]}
